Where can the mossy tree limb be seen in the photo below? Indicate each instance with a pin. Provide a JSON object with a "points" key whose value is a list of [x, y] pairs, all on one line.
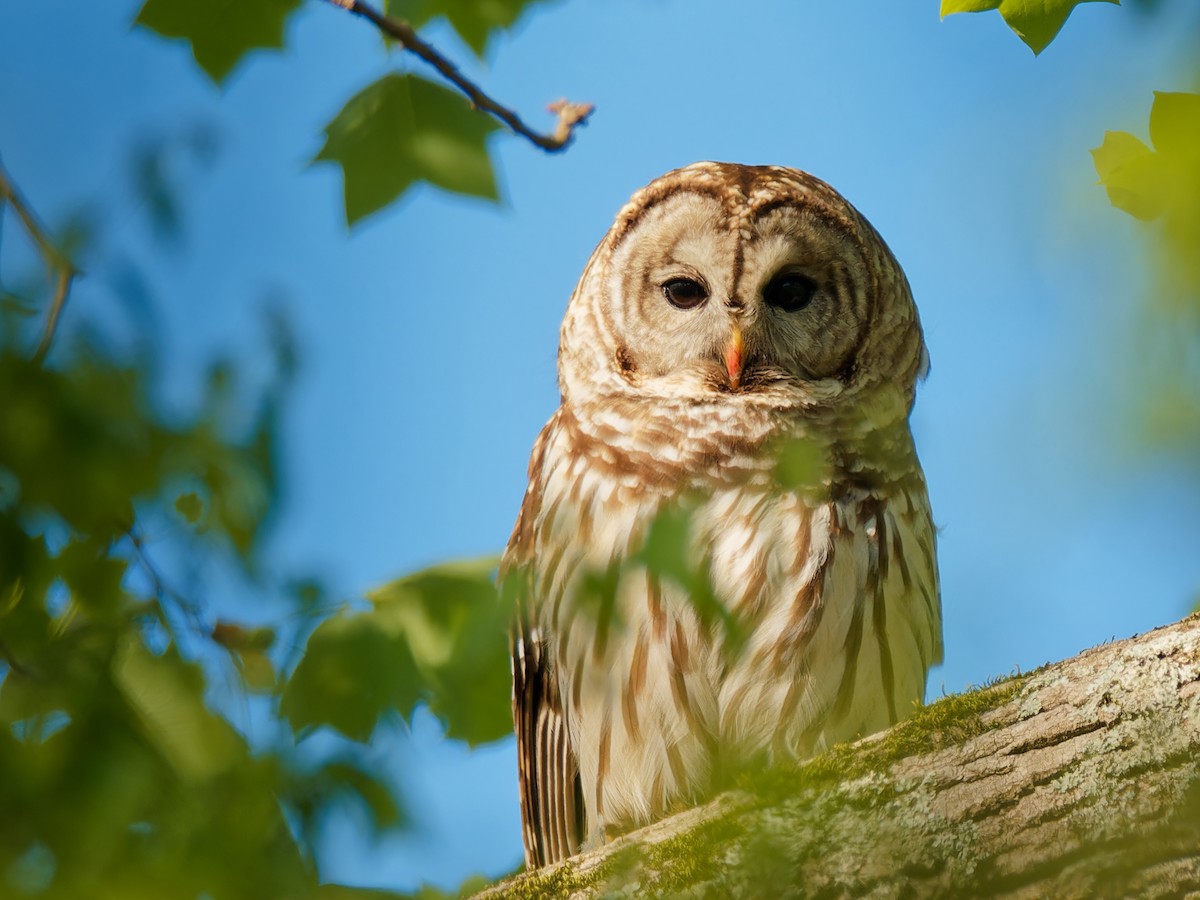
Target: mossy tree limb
{"points": [[1079, 780]]}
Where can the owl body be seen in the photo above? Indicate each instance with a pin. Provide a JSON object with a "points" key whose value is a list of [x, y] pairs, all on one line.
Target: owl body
{"points": [[687, 368]]}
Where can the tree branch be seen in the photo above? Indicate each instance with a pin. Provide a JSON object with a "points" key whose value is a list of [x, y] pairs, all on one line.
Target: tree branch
{"points": [[56, 261], [1079, 780], [570, 115]]}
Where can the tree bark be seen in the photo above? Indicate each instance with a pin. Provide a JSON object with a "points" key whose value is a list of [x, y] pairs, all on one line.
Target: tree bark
{"points": [[1078, 780]]}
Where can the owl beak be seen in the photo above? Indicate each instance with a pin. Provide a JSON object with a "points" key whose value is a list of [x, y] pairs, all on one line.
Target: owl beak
{"points": [[733, 358]]}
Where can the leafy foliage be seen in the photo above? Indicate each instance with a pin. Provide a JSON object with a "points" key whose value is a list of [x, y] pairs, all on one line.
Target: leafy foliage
{"points": [[221, 33], [118, 777], [439, 636], [116, 772], [1036, 22], [474, 20], [1163, 182], [403, 129], [1161, 187]]}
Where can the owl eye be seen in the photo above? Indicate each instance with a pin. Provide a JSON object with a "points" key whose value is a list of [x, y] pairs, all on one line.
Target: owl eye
{"points": [[790, 291], [684, 293]]}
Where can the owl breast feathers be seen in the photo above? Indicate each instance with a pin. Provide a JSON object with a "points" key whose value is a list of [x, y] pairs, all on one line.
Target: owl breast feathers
{"points": [[740, 356]]}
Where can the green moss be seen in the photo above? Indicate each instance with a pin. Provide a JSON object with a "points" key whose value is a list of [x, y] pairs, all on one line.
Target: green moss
{"points": [[693, 857], [701, 855], [948, 722], [560, 882]]}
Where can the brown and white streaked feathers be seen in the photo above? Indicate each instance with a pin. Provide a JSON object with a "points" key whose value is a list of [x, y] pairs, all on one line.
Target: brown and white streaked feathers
{"points": [[729, 309]]}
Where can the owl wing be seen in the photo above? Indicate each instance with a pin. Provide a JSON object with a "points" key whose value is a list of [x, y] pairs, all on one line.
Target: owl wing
{"points": [[551, 794]]}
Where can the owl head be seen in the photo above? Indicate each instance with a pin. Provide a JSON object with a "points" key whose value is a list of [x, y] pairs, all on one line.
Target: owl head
{"points": [[740, 284]]}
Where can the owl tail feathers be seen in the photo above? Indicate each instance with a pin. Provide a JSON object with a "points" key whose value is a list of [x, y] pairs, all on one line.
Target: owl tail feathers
{"points": [[552, 810]]}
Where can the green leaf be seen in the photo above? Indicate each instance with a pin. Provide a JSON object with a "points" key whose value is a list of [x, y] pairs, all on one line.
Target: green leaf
{"points": [[345, 892], [438, 636], [168, 694], [474, 20], [401, 130], [1036, 22], [1148, 183], [257, 671], [221, 32], [374, 794], [93, 577], [949, 7], [189, 506], [1175, 124], [801, 465], [668, 553], [667, 549], [241, 639], [355, 668], [1128, 170], [455, 625]]}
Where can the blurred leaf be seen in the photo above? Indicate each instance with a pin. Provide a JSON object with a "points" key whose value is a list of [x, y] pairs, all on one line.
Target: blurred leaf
{"points": [[168, 693], [236, 637], [154, 188], [345, 892], [1163, 183], [474, 20], [1175, 125], [667, 551], [438, 636], [1161, 187], [1036, 22], [157, 164], [401, 130], [801, 465], [452, 620], [308, 593], [220, 32], [355, 668], [83, 442], [597, 598], [257, 670], [670, 553], [375, 795], [93, 576], [249, 647], [190, 506], [1128, 170]]}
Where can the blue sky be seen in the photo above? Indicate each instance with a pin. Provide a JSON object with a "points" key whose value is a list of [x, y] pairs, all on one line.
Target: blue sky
{"points": [[428, 332]]}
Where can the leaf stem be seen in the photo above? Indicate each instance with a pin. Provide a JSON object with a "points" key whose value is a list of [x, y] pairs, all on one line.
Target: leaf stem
{"points": [[570, 115], [56, 261]]}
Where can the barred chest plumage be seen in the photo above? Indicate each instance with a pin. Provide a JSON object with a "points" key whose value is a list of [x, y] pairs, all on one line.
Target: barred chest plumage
{"points": [[832, 597]]}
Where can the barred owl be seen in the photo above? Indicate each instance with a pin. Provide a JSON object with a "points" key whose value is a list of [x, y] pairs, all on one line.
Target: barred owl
{"points": [[729, 311]]}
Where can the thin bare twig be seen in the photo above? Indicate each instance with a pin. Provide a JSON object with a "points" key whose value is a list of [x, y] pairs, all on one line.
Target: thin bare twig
{"points": [[570, 115], [56, 261], [162, 592]]}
